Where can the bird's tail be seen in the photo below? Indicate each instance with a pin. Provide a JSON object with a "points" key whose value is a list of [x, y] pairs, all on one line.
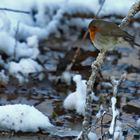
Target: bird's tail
{"points": [[131, 41], [136, 44]]}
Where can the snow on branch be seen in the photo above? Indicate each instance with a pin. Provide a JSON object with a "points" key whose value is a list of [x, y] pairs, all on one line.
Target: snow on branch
{"points": [[115, 128], [135, 8], [117, 83]]}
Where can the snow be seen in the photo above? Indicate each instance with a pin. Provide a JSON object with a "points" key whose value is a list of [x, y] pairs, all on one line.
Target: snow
{"points": [[118, 134], [5, 23], [47, 14], [9, 46], [7, 43], [76, 100], [22, 69], [21, 117], [138, 123], [32, 43], [119, 7], [4, 79], [115, 113], [91, 136], [66, 77], [101, 112]]}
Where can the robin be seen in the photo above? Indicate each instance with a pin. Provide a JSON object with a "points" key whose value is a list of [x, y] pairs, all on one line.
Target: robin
{"points": [[105, 35]]}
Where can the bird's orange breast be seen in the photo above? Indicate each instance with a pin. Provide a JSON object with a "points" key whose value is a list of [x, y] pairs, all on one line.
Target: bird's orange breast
{"points": [[92, 32]]}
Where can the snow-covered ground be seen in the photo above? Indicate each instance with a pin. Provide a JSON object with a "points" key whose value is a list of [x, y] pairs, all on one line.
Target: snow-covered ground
{"points": [[20, 32], [21, 117]]}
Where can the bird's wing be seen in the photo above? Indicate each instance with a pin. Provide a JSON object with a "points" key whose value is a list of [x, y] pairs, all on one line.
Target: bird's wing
{"points": [[118, 32], [112, 29]]}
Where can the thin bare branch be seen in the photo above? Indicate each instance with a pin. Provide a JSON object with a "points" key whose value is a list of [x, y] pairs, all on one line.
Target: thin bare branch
{"points": [[102, 4], [16, 11]]}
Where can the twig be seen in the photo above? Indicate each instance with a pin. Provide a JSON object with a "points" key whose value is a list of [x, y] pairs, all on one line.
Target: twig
{"points": [[133, 127], [117, 83], [16, 11], [102, 4], [88, 109], [102, 119], [68, 68], [135, 8], [99, 119]]}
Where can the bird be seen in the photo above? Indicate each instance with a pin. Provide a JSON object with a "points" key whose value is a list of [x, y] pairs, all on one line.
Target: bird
{"points": [[105, 35]]}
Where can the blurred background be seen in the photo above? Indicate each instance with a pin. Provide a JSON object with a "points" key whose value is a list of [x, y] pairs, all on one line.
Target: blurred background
{"points": [[38, 42]]}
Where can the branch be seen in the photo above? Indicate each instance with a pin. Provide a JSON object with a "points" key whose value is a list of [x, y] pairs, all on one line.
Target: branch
{"points": [[135, 8], [16, 11], [117, 83], [88, 109], [102, 4]]}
